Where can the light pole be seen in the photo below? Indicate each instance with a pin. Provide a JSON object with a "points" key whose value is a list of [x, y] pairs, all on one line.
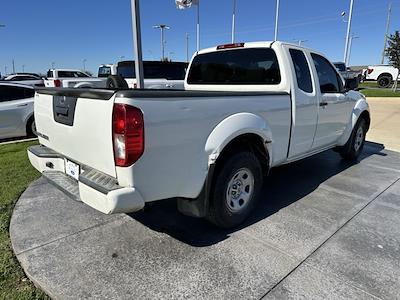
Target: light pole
{"points": [[5, 70], [299, 42], [187, 47], [346, 47], [13, 66], [386, 33], [23, 68], [137, 43], [162, 27], [84, 64], [233, 21], [350, 44], [276, 20]]}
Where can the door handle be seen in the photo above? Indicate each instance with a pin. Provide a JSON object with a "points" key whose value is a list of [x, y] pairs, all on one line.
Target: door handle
{"points": [[21, 105], [323, 104], [169, 85]]}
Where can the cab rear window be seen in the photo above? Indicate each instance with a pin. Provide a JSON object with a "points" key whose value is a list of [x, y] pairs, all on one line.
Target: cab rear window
{"points": [[239, 66]]}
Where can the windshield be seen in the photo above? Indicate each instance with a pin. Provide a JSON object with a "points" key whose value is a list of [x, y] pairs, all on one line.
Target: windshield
{"points": [[104, 71], [341, 67], [154, 70]]}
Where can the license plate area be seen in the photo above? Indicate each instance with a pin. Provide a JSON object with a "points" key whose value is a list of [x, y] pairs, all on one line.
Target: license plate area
{"points": [[72, 169]]}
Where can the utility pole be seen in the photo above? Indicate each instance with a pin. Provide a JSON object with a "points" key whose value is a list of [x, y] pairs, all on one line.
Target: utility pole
{"points": [[13, 66], [346, 47], [187, 47], [276, 20], [84, 64], [386, 33], [5, 70], [162, 27], [137, 43], [23, 68], [233, 21]]}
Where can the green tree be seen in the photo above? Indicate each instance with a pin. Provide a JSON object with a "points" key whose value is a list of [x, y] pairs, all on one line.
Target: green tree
{"points": [[393, 52], [393, 49]]}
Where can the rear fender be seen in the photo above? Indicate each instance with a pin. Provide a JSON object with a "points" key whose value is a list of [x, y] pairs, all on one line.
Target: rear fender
{"points": [[234, 126], [359, 108]]}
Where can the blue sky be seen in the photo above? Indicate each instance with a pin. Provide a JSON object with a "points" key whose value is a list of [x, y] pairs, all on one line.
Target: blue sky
{"points": [[40, 32]]}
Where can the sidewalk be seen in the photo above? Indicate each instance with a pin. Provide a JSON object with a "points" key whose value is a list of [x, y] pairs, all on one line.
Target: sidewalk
{"points": [[385, 122]]}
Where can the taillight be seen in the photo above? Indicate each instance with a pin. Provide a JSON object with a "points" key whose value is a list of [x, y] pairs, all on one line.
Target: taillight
{"points": [[230, 46], [128, 134], [370, 70], [57, 82]]}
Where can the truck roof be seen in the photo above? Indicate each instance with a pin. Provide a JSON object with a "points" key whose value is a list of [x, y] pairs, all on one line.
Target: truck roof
{"points": [[259, 44]]}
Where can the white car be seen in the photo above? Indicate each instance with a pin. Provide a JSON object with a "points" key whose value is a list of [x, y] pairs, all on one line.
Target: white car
{"points": [[25, 78], [16, 110], [70, 78], [157, 74], [247, 108], [383, 74]]}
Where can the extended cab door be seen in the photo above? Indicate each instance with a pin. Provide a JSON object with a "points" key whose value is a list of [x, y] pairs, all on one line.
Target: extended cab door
{"points": [[304, 104], [334, 112]]}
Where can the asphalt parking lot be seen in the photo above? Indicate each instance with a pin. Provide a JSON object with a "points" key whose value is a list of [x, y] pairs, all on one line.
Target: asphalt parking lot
{"points": [[324, 229]]}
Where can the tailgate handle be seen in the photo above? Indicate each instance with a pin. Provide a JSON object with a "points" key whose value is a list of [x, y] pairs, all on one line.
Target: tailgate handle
{"points": [[61, 110]]}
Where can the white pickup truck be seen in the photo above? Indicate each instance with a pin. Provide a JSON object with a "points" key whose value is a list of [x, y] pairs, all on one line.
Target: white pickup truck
{"points": [[383, 74], [247, 107], [70, 78]]}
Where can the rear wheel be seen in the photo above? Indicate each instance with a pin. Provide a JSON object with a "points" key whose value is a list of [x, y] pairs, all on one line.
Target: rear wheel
{"points": [[354, 146], [384, 81], [31, 127], [116, 82], [235, 190]]}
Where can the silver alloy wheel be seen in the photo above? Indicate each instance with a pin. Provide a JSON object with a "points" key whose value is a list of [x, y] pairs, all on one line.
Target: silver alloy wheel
{"points": [[240, 190], [359, 138]]}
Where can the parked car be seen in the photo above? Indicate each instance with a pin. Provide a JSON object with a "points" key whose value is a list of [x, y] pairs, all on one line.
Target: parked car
{"points": [[157, 74], [247, 107], [347, 73], [383, 74], [72, 78], [25, 78], [16, 110]]}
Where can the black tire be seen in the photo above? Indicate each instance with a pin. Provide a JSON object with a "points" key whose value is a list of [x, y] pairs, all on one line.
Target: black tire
{"points": [[116, 82], [31, 127], [221, 213], [384, 81], [354, 146]]}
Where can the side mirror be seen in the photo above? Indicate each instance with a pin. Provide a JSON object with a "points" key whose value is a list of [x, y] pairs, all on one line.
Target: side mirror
{"points": [[351, 84]]}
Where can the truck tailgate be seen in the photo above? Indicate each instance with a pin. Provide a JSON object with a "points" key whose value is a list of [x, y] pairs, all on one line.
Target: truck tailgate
{"points": [[77, 123]]}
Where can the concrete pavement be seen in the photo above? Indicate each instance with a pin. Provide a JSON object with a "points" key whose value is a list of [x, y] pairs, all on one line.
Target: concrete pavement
{"points": [[325, 229], [385, 122]]}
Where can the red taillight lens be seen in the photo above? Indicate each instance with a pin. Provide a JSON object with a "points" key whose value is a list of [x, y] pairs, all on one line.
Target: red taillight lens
{"points": [[370, 71], [57, 83], [128, 134]]}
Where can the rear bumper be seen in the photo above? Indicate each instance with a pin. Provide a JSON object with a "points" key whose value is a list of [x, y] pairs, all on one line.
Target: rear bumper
{"points": [[94, 188]]}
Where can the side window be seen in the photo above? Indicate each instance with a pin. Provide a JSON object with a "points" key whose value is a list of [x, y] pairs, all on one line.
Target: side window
{"points": [[328, 77], [302, 70], [10, 93]]}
